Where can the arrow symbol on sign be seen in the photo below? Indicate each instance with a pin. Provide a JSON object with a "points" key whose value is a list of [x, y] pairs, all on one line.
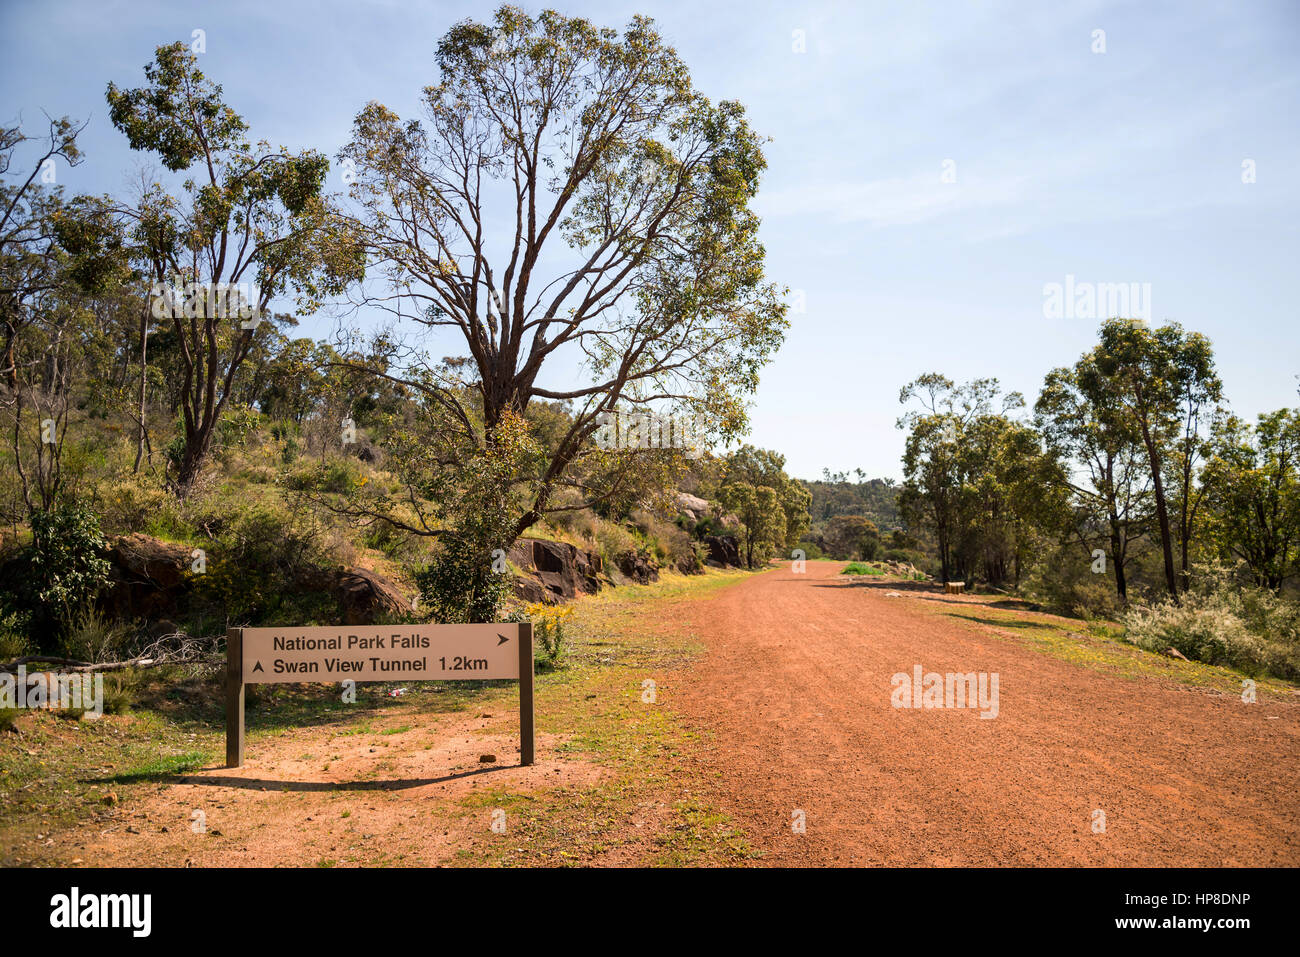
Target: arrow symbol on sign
{"points": [[503, 640], [258, 667]]}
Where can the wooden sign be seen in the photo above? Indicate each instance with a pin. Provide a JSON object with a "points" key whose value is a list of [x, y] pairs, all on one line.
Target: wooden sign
{"points": [[377, 653]]}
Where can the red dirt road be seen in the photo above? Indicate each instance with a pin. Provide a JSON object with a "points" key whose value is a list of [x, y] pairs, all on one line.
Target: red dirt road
{"points": [[796, 691]]}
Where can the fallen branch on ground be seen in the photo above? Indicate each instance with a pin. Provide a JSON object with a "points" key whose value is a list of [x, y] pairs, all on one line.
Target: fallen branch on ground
{"points": [[174, 649]]}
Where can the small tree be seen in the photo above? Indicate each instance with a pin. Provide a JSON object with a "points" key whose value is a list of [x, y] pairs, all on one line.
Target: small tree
{"points": [[254, 223], [59, 575], [771, 506], [1114, 505], [468, 578]]}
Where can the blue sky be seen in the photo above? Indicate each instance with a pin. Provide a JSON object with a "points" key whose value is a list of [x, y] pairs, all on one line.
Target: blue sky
{"points": [[1122, 166]]}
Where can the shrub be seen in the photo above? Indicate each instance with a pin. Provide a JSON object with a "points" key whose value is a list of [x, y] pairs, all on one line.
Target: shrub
{"points": [[121, 691], [461, 585], [1063, 581], [13, 637], [60, 573], [811, 550], [134, 504], [548, 627], [858, 568], [254, 563], [614, 540], [95, 638], [1217, 622]]}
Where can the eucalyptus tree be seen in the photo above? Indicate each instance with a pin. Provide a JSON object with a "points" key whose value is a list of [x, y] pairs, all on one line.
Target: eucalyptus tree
{"points": [[576, 216], [1158, 383], [1252, 481], [772, 506], [937, 462], [251, 223], [55, 255], [1114, 495]]}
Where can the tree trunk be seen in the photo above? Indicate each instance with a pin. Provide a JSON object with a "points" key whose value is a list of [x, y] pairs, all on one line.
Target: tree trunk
{"points": [[1162, 511], [140, 438], [1117, 559]]}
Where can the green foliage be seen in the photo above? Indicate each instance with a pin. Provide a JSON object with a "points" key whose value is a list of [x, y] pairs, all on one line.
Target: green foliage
{"points": [[121, 691], [1221, 623], [851, 536], [60, 573], [771, 506], [14, 642], [95, 638], [860, 568], [255, 565], [548, 629], [267, 212], [834, 494], [1156, 384], [1062, 579], [613, 159], [1253, 484], [977, 479], [468, 578]]}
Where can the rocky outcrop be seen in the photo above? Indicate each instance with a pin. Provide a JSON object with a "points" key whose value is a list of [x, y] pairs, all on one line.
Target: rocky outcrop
{"points": [[151, 579], [694, 506], [691, 564], [148, 578], [364, 597], [562, 570], [723, 550], [639, 567]]}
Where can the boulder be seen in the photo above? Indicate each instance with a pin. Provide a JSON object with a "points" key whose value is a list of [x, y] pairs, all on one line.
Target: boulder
{"points": [[723, 550], [638, 567], [563, 570], [148, 578], [363, 596], [690, 564], [692, 505], [531, 590]]}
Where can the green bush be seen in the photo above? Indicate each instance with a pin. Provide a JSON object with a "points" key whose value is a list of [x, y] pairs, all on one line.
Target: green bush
{"points": [[1221, 623], [255, 563], [858, 568], [1063, 582], [460, 585], [14, 642], [811, 550], [95, 638], [59, 574]]}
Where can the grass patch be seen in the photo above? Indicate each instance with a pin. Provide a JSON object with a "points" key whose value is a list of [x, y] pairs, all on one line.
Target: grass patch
{"points": [[163, 767], [1102, 646]]}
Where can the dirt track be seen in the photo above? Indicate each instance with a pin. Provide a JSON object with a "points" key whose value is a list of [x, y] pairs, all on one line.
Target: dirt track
{"points": [[796, 690]]}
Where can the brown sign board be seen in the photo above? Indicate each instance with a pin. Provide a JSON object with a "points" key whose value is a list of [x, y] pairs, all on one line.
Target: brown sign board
{"points": [[381, 653], [330, 654]]}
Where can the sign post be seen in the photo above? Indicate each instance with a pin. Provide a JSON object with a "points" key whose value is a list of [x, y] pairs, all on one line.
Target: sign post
{"points": [[234, 697], [377, 653]]}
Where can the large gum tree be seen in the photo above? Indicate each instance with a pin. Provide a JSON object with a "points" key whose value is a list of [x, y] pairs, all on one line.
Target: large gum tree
{"points": [[577, 215]]}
